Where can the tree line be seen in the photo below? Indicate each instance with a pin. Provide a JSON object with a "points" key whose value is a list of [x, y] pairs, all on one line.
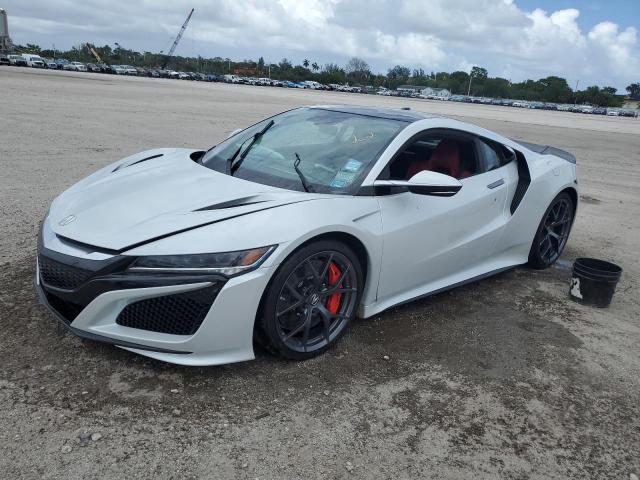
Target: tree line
{"points": [[357, 71]]}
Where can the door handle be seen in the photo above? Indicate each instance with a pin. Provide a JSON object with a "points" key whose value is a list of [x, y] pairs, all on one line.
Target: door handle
{"points": [[497, 183]]}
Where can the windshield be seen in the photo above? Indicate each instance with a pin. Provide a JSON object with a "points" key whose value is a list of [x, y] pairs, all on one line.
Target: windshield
{"points": [[336, 150]]}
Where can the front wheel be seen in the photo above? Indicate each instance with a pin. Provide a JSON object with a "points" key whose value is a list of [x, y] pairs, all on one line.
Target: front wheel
{"points": [[553, 232], [311, 300]]}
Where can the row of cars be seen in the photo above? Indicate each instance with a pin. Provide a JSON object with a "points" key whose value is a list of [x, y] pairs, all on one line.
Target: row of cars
{"points": [[563, 107], [270, 82], [31, 60]]}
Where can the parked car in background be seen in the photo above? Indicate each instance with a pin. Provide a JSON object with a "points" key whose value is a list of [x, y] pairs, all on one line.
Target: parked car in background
{"points": [[34, 61], [17, 61], [75, 67], [153, 73], [116, 69], [231, 79], [628, 113], [599, 111], [129, 70], [92, 67], [4, 60], [61, 62], [50, 63], [312, 85], [141, 72], [212, 77]]}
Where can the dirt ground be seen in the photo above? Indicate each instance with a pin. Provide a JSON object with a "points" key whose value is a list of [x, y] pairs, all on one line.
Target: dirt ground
{"points": [[505, 378]]}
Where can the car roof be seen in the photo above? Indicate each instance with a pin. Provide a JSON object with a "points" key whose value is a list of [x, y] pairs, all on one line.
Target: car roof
{"points": [[403, 115]]}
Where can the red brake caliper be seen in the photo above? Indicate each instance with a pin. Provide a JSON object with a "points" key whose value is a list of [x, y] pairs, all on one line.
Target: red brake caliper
{"points": [[333, 302]]}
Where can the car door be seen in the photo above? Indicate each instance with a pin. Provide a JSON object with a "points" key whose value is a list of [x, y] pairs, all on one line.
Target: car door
{"points": [[431, 241]]}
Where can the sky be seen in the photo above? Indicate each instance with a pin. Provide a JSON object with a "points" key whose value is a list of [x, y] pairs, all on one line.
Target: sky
{"points": [[595, 42]]}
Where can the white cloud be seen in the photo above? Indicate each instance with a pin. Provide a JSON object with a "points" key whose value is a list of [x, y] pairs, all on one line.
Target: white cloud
{"points": [[434, 34]]}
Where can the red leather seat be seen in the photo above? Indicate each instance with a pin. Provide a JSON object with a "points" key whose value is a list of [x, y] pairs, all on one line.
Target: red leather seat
{"points": [[444, 159]]}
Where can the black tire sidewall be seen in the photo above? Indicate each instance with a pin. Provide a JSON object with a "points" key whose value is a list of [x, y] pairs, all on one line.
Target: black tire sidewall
{"points": [[267, 326], [535, 261]]}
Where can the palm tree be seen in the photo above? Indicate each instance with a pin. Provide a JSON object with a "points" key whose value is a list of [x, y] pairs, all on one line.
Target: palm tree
{"points": [[315, 66], [305, 63]]}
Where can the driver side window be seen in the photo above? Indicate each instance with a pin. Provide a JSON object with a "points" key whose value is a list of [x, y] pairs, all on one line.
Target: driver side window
{"points": [[450, 154]]}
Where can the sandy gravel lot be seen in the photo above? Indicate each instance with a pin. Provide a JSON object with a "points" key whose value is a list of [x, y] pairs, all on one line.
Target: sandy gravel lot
{"points": [[505, 378]]}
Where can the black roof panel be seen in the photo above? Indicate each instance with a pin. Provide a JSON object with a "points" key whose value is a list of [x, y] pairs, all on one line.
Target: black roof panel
{"points": [[402, 115]]}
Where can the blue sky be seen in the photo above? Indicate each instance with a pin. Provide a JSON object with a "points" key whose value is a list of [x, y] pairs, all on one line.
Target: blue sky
{"points": [[625, 13]]}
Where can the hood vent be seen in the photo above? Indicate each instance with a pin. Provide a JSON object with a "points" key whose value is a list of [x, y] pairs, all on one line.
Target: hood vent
{"points": [[137, 161], [238, 202]]}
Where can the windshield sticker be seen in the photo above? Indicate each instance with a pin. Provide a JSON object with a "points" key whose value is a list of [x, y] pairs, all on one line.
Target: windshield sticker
{"points": [[368, 136], [343, 179], [352, 165]]}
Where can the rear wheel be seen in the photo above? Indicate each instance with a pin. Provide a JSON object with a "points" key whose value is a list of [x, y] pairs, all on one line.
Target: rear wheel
{"points": [[553, 232], [311, 300]]}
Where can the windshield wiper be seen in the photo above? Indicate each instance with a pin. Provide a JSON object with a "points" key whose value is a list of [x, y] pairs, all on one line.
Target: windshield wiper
{"points": [[232, 167], [303, 179]]}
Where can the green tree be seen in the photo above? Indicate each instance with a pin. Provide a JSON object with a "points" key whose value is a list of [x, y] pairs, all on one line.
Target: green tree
{"points": [[285, 64], [32, 48], [315, 67], [357, 70], [634, 90], [479, 73], [305, 63]]}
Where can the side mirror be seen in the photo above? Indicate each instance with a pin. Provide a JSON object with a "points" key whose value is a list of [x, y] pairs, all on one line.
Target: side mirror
{"points": [[237, 130], [425, 182]]}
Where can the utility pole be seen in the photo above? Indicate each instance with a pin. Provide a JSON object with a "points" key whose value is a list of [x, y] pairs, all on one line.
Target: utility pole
{"points": [[545, 89], [469, 89], [575, 92]]}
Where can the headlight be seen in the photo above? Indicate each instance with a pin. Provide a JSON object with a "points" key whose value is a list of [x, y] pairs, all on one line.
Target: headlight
{"points": [[226, 263]]}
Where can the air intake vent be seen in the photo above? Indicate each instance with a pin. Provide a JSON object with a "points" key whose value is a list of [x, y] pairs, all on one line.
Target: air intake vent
{"points": [[119, 167], [60, 275], [238, 202], [177, 314]]}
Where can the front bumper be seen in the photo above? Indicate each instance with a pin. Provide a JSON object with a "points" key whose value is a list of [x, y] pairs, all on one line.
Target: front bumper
{"points": [[101, 301]]}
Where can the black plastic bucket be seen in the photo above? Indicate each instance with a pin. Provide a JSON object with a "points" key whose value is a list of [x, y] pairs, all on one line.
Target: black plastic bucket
{"points": [[593, 281]]}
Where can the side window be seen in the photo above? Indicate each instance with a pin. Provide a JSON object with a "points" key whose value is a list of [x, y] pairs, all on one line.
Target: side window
{"points": [[491, 156], [453, 155]]}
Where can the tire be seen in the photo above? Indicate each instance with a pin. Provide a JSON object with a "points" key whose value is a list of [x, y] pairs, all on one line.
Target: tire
{"points": [[553, 232], [310, 301]]}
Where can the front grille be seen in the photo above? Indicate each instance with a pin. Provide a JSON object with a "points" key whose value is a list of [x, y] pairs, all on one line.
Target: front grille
{"points": [[177, 314], [67, 310], [60, 275]]}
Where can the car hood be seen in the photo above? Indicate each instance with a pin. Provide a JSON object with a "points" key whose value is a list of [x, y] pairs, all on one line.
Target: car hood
{"points": [[155, 194]]}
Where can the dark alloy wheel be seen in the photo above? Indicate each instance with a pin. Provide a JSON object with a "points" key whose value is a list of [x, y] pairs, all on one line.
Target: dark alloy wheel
{"points": [[553, 232], [311, 300]]}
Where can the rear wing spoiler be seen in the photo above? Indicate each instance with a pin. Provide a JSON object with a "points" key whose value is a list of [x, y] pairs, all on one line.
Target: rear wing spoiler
{"points": [[547, 150]]}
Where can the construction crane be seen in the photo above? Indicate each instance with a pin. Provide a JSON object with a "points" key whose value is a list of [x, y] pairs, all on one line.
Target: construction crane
{"points": [[177, 40], [93, 52]]}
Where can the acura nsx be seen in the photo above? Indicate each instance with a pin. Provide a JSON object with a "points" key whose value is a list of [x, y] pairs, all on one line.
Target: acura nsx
{"points": [[286, 231]]}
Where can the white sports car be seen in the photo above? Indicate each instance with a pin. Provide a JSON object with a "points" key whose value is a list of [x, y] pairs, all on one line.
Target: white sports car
{"points": [[289, 229]]}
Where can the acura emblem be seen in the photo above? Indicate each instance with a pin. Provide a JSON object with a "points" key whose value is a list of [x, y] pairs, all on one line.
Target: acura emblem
{"points": [[314, 298], [67, 220]]}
